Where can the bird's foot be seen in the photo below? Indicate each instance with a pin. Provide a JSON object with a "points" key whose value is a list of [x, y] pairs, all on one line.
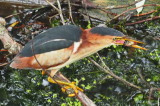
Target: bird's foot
{"points": [[70, 88]]}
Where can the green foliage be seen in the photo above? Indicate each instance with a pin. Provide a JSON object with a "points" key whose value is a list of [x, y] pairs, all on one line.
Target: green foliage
{"points": [[138, 98], [70, 102]]}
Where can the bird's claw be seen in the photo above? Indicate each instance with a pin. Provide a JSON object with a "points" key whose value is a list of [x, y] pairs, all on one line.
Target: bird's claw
{"points": [[70, 88]]}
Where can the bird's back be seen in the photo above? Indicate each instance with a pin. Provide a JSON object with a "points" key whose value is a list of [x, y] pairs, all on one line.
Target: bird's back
{"points": [[51, 48], [53, 39]]}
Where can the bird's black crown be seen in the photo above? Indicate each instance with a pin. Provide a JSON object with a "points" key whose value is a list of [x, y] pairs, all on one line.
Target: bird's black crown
{"points": [[106, 31]]}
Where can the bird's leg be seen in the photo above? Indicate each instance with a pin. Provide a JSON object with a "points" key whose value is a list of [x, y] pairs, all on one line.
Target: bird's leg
{"points": [[69, 87], [52, 72], [43, 72]]}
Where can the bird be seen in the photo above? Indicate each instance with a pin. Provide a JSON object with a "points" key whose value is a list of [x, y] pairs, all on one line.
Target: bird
{"points": [[60, 46]]}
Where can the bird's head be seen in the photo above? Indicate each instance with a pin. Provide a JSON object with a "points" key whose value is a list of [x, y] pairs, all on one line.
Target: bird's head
{"points": [[110, 36], [127, 42]]}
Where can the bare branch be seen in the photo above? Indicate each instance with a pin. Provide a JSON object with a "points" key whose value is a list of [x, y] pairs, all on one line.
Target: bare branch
{"points": [[142, 78], [70, 11], [145, 20], [108, 71], [3, 64], [8, 43], [133, 9], [52, 5], [151, 91], [80, 96], [59, 10]]}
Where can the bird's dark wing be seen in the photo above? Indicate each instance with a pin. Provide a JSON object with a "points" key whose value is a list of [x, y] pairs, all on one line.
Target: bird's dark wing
{"points": [[53, 39], [48, 49]]}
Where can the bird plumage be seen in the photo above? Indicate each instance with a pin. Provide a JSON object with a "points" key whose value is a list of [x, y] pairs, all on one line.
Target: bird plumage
{"points": [[63, 45], [106, 31], [53, 39]]}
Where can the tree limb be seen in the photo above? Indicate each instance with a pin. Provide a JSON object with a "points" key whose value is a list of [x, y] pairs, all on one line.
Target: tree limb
{"points": [[108, 71], [8, 43], [80, 96]]}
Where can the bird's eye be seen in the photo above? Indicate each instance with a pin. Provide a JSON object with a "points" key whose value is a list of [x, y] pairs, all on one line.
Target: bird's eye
{"points": [[117, 38]]}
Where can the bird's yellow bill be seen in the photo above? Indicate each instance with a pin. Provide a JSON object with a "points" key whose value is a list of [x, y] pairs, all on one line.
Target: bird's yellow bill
{"points": [[136, 46], [135, 41], [128, 42]]}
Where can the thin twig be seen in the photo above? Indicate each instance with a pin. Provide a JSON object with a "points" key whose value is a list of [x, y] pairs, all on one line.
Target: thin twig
{"points": [[142, 78], [113, 75], [52, 5], [70, 12], [158, 101], [13, 15], [85, 6], [151, 92], [143, 14], [133, 9], [60, 12], [3, 64], [106, 67], [50, 18], [145, 20]]}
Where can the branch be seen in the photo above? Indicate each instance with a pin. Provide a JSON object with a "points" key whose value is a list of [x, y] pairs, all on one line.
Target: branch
{"points": [[70, 12], [133, 9], [59, 10], [3, 64], [142, 78], [8, 43], [80, 96], [151, 91], [108, 71], [145, 20]]}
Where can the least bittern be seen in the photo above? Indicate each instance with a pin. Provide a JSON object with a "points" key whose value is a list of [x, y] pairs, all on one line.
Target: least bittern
{"points": [[63, 45]]}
